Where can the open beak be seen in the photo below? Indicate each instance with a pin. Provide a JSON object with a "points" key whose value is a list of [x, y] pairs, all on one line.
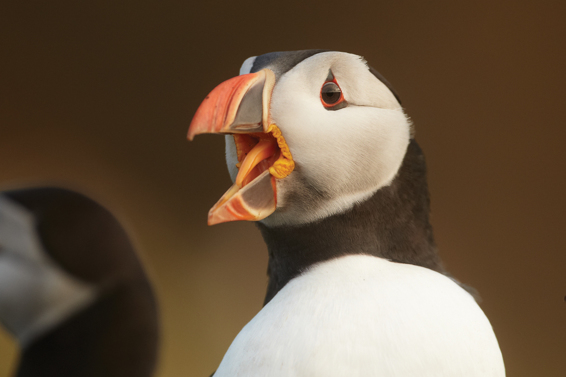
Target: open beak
{"points": [[240, 107]]}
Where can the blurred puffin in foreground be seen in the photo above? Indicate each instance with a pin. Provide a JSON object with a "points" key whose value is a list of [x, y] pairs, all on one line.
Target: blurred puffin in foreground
{"points": [[72, 291], [323, 157]]}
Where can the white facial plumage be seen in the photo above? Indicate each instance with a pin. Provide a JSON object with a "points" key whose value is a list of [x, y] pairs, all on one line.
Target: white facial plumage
{"points": [[342, 156]]}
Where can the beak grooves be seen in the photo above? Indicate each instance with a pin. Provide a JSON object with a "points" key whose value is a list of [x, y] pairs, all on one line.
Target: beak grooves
{"points": [[240, 106]]}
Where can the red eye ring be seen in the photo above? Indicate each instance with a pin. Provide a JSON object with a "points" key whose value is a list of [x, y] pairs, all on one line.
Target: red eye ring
{"points": [[331, 95]]}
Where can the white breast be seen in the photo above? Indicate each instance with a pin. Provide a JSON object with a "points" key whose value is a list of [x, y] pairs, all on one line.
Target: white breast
{"points": [[365, 316]]}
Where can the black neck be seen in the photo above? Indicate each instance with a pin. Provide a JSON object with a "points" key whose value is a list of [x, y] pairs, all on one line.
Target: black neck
{"points": [[392, 224], [116, 336]]}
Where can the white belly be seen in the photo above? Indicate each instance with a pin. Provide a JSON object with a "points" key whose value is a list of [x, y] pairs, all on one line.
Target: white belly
{"points": [[365, 316]]}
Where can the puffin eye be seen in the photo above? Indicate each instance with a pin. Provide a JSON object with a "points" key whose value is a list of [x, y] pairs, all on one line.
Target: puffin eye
{"points": [[330, 93], [331, 96]]}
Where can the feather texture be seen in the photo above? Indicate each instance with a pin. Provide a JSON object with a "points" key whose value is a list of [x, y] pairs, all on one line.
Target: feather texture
{"points": [[365, 316]]}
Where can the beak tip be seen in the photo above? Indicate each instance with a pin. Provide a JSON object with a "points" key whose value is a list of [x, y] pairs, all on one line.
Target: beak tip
{"points": [[215, 219], [193, 129]]}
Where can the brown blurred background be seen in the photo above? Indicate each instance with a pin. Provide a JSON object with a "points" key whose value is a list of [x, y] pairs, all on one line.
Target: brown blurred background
{"points": [[98, 96]]}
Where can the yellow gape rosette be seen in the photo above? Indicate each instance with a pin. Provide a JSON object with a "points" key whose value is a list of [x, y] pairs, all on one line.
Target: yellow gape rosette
{"points": [[284, 164]]}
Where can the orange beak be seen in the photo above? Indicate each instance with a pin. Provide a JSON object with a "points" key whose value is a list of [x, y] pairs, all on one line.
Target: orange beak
{"points": [[240, 106]]}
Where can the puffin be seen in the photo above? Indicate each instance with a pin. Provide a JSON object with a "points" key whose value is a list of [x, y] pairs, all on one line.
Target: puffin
{"points": [[323, 158], [73, 293]]}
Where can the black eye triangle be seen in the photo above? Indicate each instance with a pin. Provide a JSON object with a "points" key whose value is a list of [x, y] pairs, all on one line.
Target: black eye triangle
{"points": [[330, 76]]}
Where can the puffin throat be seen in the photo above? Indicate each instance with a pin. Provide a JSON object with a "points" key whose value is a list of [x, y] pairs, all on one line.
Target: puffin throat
{"points": [[258, 152], [392, 224], [262, 158]]}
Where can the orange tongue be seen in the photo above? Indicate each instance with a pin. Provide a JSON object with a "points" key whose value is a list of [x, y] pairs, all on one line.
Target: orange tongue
{"points": [[264, 149], [252, 200]]}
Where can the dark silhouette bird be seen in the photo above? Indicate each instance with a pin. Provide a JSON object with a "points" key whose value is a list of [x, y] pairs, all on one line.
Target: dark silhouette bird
{"points": [[72, 290]]}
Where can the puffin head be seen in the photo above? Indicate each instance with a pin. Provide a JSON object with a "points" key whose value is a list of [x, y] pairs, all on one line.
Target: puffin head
{"points": [[308, 134]]}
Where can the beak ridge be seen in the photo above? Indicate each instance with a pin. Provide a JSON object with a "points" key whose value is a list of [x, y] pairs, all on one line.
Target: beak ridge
{"points": [[238, 105]]}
